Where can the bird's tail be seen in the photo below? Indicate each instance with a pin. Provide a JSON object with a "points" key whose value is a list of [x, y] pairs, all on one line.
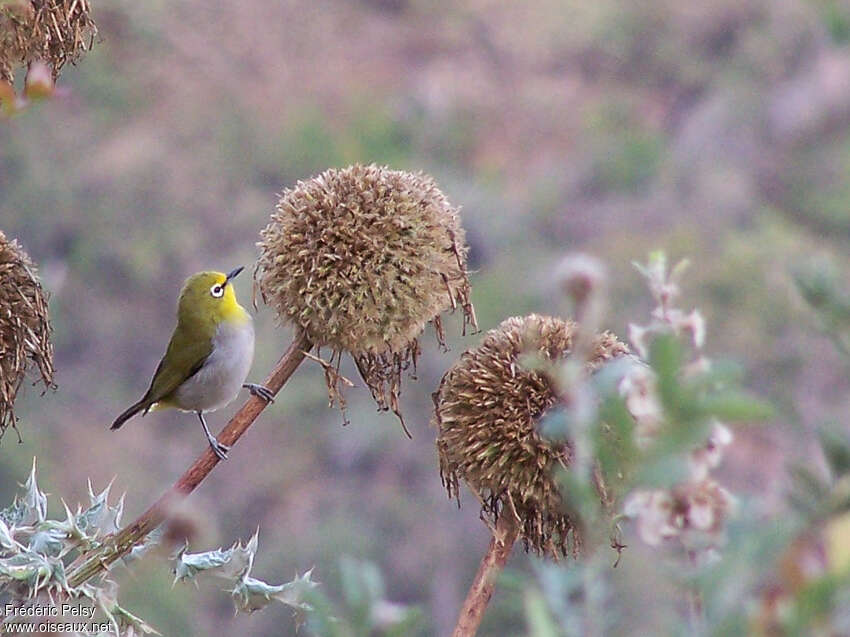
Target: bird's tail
{"points": [[131, 411]]}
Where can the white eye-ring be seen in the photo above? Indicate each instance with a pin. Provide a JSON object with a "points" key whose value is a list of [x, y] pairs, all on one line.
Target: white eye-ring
{"points": [[217, 291]]}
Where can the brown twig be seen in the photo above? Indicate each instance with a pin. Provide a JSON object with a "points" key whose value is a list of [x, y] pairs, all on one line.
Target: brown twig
{"points": [[117, 546], [472, 611]]}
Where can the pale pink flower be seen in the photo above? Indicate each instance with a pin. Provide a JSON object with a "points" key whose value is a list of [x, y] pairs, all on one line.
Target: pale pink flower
{"points": [[653, 513], [709, 456], [638, 390], [637, 337], [704, 508]]}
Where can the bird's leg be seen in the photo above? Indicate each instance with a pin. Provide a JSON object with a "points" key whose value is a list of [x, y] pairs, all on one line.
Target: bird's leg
{"points": [[219, 449], [260, 390]]}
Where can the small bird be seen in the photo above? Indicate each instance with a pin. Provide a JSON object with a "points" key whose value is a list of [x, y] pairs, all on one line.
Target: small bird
{"points": [[208, 357]]}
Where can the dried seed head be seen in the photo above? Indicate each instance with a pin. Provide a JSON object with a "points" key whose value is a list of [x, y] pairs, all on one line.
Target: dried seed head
{"points": [[24, 328], [487, 410], [53, 31], [361, 259]]}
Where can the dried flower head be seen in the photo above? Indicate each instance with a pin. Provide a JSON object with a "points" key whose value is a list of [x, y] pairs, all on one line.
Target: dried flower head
{"points": [[582, 279], [53, 31], [487, 410], [361, 259], [24, 327]]}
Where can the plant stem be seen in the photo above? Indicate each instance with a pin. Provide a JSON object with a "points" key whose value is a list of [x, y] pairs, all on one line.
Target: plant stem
{"points": [[696, 612], [116, 546], [472, 611]]}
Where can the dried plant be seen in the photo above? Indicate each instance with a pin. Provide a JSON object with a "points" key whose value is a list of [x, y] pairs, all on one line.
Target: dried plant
{"points": [[488, 408], [651, 424], [35, 552], [24, 328], [412, 214], [361, 259], [51, 31]]}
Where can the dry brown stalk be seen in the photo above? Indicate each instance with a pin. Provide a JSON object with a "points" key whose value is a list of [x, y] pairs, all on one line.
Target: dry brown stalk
{"points": [[504, 535]]}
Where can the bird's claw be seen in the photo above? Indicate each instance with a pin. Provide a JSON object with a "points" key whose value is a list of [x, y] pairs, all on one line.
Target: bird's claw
{"points": [[260, 390], [219, 449]]}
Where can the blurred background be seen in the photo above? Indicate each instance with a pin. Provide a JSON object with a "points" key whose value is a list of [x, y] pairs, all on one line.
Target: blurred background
{"points": [[714, 130]]}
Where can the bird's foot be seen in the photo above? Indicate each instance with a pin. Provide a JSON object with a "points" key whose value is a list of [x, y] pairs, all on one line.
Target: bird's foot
{"points": [[219, 449], [260, 390]]}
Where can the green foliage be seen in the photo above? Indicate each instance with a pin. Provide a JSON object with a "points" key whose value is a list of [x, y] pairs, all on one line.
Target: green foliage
{"points": [[783, 572], [498, 98], [819, 284], [249, 594], [627, 155], [307, 146], [112, 93], [817, 191], [35, 552], [836, 16], [312, 142], [365, 611], [691, 404]]}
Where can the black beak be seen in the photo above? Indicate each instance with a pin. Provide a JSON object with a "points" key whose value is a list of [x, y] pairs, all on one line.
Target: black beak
{"points": [[233, 274]]}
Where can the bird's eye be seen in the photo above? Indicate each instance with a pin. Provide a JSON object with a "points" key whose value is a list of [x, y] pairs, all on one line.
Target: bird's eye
{"points": [[217, 291]]}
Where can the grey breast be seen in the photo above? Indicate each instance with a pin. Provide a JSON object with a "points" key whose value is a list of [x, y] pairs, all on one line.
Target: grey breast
{"points": [[220, 379]]}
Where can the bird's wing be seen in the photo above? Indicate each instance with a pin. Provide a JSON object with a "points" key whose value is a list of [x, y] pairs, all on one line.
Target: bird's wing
{"points": [[183, 359]]}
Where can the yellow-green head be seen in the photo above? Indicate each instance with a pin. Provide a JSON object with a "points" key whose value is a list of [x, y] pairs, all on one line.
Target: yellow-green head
{"points": [[208, 299]]}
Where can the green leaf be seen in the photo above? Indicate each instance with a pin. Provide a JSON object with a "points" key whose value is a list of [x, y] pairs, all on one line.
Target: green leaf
{"points": [[679, 269], [362, 586], [813, 604], [14, 514], [540, 621], [34, 499], [665, 358], [808, 491], [100, 518], [37, 572], [735, 406], [836, 448], [153, 539], [554, 425], [614, 438], [7, 542], [252, 594], [230, 563], [662, 472], [49, 542], [396, 620], [124, 619], [369, 612], [722, 373], [23, 568]]}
